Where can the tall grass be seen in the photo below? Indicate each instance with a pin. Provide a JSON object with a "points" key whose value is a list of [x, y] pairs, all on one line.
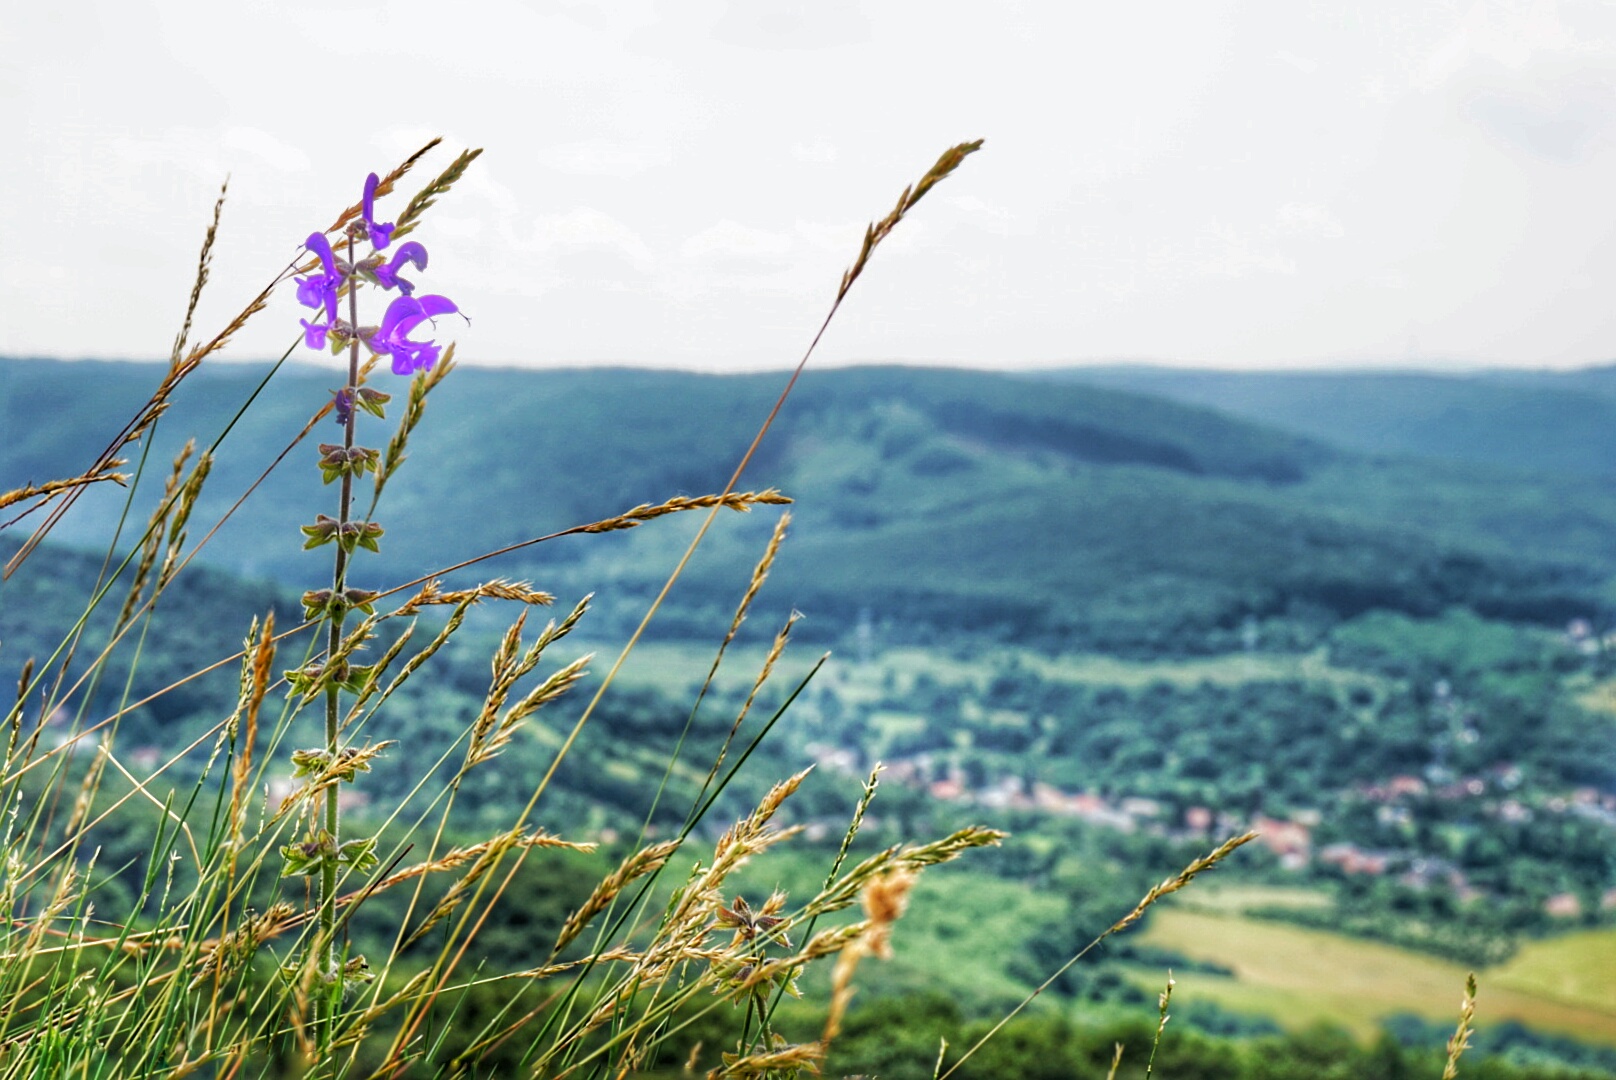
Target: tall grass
{"points": [[226, 951]]}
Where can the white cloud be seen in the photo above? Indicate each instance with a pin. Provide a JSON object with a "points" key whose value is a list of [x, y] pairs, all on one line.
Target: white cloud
{"points": [[585, 227], [1225, 252], [1308, 221], [731, 241], [599, 157], [818, 152], [980, 212], [1305, 65], [272, 151]]}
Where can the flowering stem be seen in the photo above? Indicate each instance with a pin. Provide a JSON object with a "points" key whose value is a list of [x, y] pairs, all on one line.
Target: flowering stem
{"points": [[330, 992]]}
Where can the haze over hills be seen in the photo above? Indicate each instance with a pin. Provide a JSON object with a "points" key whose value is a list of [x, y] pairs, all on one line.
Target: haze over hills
{"points": [[1558, 421], [937, 501]]}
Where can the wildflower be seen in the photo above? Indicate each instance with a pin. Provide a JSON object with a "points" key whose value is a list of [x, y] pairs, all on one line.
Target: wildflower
{"points": [[380, 235], [320, 290], [393, 336], [386, 275], [314, 333]]}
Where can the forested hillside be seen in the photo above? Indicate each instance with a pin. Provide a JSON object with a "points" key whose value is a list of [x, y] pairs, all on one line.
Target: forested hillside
{"points": [[931, 501]]}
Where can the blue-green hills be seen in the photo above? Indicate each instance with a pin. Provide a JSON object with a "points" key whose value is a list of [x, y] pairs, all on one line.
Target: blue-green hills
{"points": [[933, 503]]}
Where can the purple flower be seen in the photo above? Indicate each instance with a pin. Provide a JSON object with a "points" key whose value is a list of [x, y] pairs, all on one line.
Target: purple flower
{"points": [[380, 235], [314, 333], [393, 336], [387, 276], [320, 290]]}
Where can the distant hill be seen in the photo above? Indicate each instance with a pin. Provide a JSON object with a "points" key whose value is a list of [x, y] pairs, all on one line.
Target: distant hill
{"points": [[1563, 422], [203, 616], [942, 504]]}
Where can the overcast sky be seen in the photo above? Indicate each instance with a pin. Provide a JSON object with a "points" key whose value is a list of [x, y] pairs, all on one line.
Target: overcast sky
{"points": [[681, 184]]}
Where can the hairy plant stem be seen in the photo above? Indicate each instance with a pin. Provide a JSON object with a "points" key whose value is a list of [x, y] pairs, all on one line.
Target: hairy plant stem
{"points": [[330, 979]]}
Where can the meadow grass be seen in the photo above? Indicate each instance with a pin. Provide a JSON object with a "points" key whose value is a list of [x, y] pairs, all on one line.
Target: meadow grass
{"points": [[227, 964], [222, 963]]}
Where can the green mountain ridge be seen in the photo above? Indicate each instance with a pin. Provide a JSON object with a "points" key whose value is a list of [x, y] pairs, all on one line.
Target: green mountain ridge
{"points": [[933, 502], [1560, 422]]}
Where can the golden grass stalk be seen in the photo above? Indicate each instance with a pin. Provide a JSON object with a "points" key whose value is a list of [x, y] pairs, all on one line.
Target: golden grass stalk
{"points": [[373, 684], [154, 538], [776, 649], [227, 954], [360, 1025], [154, 407], [101, 473], [342, 766], [1116, 1062], [432, 593], [885, 898], [1166, 888], [259, 674], [486, 860], [414, 409], [204, 266], [637, 865], [843, 892], [183, 504], [509, 664], [411, 665], [782, 1059], [739, 501], [1162, 1002], [457, 857], [428, 195], [760, 574], [1178, 881], [553, 687], [879, 230], [1460, 1042]]}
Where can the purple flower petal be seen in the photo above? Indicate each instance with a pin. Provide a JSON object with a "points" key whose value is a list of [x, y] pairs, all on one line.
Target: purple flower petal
{"points": [[320, 290], [393, 335], [437, 305], [311, 292], [400, 308], [408, 252], [380, 235], [314, 334], [318, 244]]}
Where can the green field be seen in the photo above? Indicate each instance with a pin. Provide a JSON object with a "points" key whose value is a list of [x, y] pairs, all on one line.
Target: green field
{"points": [[679, 663], [1579, 969], [1301, 976]]}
